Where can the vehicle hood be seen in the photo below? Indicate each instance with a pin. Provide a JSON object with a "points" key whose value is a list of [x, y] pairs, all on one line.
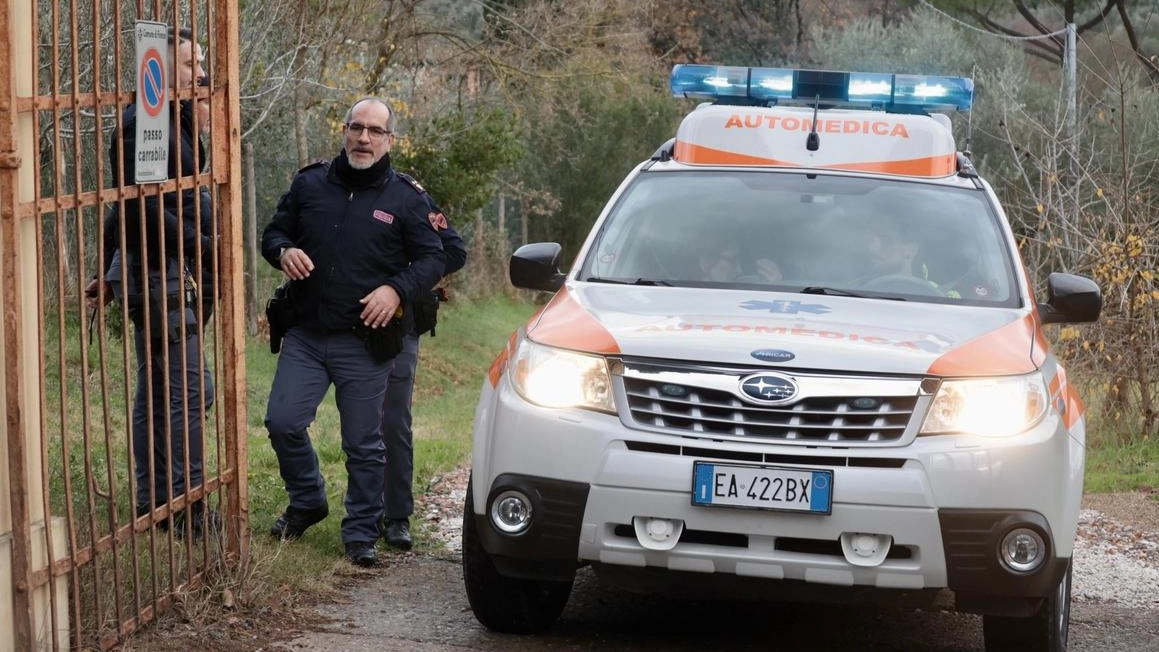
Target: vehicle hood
{"points": [[789, 330]]}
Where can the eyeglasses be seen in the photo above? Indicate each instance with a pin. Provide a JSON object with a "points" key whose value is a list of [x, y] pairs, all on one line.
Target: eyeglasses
{"points": [[375, 133]]}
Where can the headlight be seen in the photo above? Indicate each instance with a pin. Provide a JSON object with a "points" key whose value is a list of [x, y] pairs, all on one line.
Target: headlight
{"points": [[558, 378], [990, 407]]}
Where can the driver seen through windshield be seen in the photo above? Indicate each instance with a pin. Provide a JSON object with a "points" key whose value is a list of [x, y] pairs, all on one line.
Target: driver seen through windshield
{"points": [[794, 232]]}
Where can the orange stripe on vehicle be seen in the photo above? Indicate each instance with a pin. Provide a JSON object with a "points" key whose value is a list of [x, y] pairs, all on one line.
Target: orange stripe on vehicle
{"points": [[1002, 351], [566, 324], [1074, 407], [1063, 391], [929, 166], [699, 154], [500, 363]]}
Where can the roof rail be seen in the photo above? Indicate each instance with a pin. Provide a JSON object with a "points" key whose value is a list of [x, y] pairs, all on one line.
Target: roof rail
{"points": [[664, 153], [966, 170]]}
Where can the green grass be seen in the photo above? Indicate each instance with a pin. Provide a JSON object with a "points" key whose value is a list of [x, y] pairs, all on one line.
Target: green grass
{"points": [[1122, 464], [451, 369]]}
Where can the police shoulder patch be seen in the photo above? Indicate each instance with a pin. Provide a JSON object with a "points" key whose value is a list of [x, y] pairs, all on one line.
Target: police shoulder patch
{"points": [[412, 183]]}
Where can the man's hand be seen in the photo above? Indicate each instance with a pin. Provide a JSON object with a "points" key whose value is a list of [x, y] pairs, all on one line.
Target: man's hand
{"points": [[380, 306], [98, 292], [296, 264]]}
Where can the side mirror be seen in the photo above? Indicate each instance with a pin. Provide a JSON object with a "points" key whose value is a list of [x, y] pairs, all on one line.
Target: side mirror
{"points": [[535, 266], [1070, 299]]}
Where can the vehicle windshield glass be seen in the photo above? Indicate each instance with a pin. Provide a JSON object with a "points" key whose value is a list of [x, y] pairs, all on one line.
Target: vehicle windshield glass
{"points": [[817, 234]]}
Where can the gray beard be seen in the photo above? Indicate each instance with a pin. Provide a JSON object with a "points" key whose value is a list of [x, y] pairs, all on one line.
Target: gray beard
{"points": [[358, 165]]}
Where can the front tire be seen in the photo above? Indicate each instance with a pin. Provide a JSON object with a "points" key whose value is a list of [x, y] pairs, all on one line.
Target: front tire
{"points": [[505, 604], [1043, 631]]}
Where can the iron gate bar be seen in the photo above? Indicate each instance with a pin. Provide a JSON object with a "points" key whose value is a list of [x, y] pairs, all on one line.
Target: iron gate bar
{"points": [[62, 100]]}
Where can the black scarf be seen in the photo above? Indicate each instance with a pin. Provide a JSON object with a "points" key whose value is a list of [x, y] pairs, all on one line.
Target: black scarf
{"points": [[356, 179]]}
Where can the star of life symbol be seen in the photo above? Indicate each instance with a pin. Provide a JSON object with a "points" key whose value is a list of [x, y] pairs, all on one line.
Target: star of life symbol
{"points": [[786, 307]]}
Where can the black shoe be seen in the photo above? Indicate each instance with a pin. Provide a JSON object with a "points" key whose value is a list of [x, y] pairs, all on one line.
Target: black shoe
{"points": [[294, 522], [361, 553], [200, 519], [146, 510], [396, 532]]}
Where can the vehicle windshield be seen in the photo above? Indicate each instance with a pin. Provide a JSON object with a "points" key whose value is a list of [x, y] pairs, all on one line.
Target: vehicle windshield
{"points": [[816, 234]]}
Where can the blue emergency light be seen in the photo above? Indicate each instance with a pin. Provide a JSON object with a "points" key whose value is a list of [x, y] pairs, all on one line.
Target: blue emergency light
{"points": [[769, 86]]}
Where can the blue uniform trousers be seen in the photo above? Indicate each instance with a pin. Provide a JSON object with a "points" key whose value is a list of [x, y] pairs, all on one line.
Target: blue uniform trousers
{"points": [[176, 424], [308, 364], [396, 431]]}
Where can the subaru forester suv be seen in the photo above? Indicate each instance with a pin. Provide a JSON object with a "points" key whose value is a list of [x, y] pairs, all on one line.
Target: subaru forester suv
{"points": [[798, 357]]}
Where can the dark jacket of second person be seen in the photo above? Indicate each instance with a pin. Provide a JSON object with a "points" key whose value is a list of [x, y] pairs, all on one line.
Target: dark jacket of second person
{"points": [[187, 215]]}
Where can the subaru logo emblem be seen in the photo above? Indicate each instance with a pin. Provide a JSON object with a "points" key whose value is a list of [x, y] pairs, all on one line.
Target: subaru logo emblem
{"points": [[773, 355], [767, 388]]}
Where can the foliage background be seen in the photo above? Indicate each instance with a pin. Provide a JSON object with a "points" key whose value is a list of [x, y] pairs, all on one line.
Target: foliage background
{"points": [[522, 116]]}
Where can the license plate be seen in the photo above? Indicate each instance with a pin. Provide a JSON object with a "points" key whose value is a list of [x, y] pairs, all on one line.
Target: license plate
{"points": [[762, 487]]}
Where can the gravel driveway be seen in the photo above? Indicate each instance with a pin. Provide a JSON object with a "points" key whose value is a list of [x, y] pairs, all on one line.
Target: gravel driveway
{"points": [[417, 602]]}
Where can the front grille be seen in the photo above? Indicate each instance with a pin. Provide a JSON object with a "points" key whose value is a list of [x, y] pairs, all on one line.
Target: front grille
{"points": [[702, 404], [766, 458]]}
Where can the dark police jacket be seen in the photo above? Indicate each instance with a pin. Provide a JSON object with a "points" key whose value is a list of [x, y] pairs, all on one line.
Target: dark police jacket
{"points": [[426, 308], [359, 238], [454, 249], [185, 216]]}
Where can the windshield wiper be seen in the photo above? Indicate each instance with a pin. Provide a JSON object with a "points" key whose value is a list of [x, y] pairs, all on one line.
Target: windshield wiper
{"points": [[834, 292], [639, 281]]}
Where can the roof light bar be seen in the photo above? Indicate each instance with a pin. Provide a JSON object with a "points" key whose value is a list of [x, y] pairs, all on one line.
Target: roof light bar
{"points": [[901, 93]]}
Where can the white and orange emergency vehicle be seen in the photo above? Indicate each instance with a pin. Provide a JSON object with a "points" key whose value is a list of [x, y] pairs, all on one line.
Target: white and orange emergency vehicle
{"points": [[798, 357]]}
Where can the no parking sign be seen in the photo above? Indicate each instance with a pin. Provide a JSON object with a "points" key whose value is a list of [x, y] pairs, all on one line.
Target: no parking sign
{"points": [[152, 155]]}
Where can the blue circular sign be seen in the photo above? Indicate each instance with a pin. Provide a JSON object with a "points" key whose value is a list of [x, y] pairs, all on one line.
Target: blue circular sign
{"points": [[151, 82]]}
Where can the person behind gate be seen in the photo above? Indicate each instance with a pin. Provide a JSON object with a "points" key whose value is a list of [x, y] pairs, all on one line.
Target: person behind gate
{"points": [[356, 243], [162, 277]]}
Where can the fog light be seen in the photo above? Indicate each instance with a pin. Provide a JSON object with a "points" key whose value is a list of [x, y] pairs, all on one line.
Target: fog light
{"points": [[511, 512], [656, 533], [1022, 550], [864, 548]]}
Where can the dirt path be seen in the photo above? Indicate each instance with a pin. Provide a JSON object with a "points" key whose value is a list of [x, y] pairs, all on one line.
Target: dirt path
{"points": [[417, 603]]}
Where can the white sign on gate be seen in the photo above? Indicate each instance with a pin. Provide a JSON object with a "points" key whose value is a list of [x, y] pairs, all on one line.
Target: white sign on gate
{"points": [[152, 155]]}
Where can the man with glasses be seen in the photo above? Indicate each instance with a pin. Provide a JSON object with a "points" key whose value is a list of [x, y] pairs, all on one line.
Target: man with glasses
{"points": [[356, 242]]}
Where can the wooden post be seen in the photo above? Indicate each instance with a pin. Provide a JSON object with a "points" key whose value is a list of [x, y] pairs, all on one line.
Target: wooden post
{"points": [[227, 145]]}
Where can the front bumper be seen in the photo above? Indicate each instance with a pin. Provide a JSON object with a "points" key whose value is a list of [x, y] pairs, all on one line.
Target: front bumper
{"points": [[944, 501]]}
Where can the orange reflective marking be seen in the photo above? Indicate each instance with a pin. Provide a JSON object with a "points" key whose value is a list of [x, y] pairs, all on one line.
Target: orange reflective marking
{"points": [[1006, 350], [690, 153], [500, 363], [566, 324], [929, 166], [1074, 406], [1062, 390]]}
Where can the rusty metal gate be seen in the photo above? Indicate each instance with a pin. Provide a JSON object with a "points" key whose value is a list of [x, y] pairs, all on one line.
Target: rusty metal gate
{"points": [[83, 562]]}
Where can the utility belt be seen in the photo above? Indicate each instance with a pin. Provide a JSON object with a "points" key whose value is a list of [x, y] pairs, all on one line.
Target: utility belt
{"points": [[385, 342], [280, 315], [426, 311], [166, 313]]}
